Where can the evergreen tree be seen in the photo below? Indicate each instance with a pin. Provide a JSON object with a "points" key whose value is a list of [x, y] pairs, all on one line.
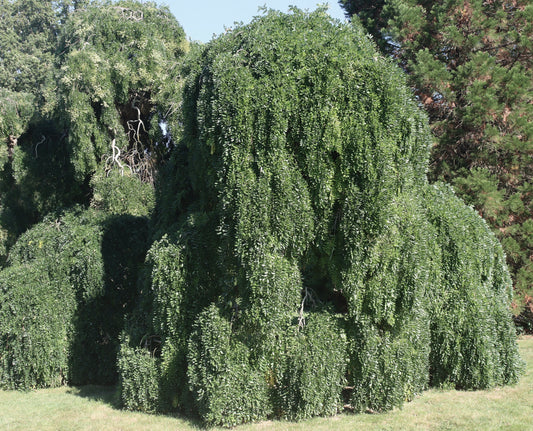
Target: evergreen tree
{"points": [[470, 64], [28, 47], [118, 70]]}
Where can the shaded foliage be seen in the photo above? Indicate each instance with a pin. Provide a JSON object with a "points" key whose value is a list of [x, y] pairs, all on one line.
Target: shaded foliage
{"points": [[97, 116], [91, 260]]}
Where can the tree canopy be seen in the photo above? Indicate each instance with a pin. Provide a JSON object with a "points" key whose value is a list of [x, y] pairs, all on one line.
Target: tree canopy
{"points": [[96, 120], [118, 68], [296, 209]]}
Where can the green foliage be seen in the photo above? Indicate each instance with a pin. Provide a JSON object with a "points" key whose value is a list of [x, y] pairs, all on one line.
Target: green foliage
{"points": [[300, 259], [472, 334], [96, 258], [139, 389], [299, 191], [162, 321], [312, 370], [387, 290], [470, 64], [28, 41], [28, 33], [169, 321], [117, 71], [36, 180], [97, 115], [15, 113], [35, 327], [227, 389], [114, 193]]}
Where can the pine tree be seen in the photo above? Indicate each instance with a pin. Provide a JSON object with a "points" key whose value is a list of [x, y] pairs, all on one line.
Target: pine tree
{"points": [[470, 64]]}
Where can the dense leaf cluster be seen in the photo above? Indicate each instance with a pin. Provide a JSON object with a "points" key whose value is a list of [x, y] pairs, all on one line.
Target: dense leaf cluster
{"points": [[118, 67], [95, 118], [71, 280]]}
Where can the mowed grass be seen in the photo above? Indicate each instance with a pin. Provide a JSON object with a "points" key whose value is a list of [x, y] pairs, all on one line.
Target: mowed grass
{"points": [[95, 408]]}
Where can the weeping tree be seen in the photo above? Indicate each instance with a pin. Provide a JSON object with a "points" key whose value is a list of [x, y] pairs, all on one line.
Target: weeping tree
{"points": [[28, 36], [96, 128], [93, 139], [302, 261], [471, 66], [117, 74]]}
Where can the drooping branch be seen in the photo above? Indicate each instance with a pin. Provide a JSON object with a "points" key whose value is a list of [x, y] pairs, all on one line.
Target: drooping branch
{"points": [[37, 145], [115, 158]]}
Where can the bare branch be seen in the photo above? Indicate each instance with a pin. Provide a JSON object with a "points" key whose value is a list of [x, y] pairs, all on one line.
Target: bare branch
{"points": [[37, 145]]}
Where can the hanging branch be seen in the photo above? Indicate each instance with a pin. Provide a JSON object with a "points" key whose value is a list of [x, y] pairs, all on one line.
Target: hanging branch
{"points": [[115, 158], [116, 155], [301, 318], [37, 145]]}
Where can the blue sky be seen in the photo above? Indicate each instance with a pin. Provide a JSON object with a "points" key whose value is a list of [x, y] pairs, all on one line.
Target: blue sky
{"points": [[203, 18]]}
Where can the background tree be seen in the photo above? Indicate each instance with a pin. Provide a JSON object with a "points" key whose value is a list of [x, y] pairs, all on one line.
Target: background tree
{"points": [[115, 68], [94, 122], [470, 65], [28, 36], [118, 68], [28, 54]]}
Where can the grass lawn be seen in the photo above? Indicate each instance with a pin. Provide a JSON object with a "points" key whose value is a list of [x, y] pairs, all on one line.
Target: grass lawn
{"points": [[94, 408]]}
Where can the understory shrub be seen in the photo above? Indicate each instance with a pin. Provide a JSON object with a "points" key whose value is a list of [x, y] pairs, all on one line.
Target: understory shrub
{"points": [[35, 327], [94, 258]]}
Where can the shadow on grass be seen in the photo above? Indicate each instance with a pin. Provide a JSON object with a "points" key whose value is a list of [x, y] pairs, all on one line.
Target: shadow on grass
{"points": [[104, 394], [109, 395]]}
